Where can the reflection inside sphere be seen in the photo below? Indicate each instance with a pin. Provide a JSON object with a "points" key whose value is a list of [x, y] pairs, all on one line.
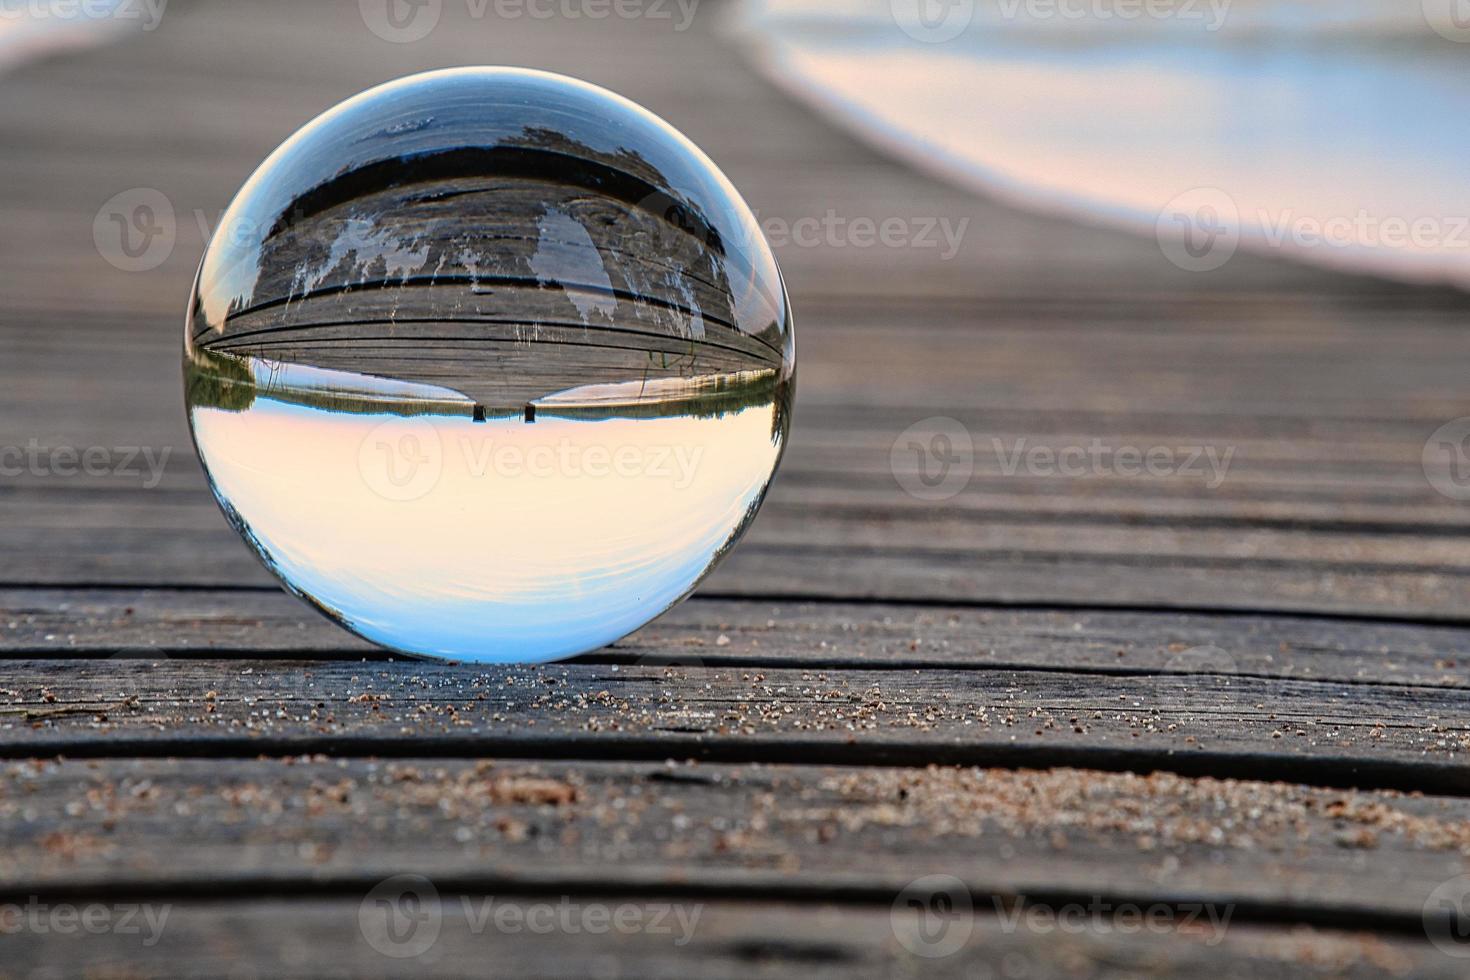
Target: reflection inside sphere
{"points": [[489, 364]]}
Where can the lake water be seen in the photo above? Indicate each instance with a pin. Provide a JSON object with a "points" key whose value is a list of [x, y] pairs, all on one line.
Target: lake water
{"points": [[1330, 132]]}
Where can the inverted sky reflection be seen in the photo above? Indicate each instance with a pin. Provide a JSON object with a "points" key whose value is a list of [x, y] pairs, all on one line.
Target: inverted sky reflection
{"points": [[502, 536]]}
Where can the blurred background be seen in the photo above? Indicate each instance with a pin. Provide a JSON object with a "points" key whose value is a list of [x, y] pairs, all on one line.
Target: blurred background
{"points": [[1317, 131], [1310, 130]]}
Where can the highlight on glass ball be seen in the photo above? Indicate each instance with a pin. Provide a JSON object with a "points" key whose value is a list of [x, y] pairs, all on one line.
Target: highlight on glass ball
{"points": [[489, 364]]}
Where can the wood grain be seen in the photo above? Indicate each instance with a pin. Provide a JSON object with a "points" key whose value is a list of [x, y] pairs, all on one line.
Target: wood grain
{"points": [[320, 937], [1326, 733], [1268, 850], [744, 633]]}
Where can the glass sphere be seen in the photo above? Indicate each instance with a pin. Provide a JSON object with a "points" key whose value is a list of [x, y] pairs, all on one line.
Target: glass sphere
{"points": [[489, 364]]}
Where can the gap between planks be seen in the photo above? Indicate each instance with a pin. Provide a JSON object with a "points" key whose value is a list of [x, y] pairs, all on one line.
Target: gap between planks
{"points": [[1447, 621], [230, 889]]}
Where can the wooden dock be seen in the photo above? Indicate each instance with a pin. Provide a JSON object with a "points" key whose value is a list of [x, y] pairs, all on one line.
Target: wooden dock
{"points": [[1067, 692]]}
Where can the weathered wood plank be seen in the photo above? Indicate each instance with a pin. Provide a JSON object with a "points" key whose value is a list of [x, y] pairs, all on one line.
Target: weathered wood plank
{"points": [[845, 456], [1252, 848], [1326, 733], [322, 937], [793, 520], [111, 498], [808, 556], [747, 633]]}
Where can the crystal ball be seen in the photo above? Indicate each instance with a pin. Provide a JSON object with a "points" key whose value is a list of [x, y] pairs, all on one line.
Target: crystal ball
{"points": [[489, 364]]}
